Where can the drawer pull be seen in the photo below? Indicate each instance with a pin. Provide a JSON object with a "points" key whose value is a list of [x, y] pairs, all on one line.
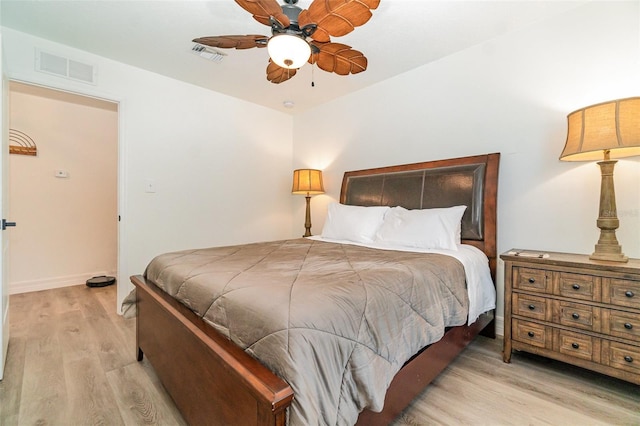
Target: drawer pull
{"points": [[628, 326], [532, 280], [628, 358], [576, 286], [532, 307], [628, 293], [575, 315], [575, 345], [531, 334]]}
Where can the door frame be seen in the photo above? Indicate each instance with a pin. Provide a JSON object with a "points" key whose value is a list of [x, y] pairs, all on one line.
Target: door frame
{"points": [[4, 173], [121, 166]]}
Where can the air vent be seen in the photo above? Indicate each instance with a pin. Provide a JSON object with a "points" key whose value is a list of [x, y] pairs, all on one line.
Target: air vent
{"points": [[65, 67], [208, 53]]}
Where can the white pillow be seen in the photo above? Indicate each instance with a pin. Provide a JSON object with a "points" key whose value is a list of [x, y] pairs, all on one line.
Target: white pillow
{"points": [[353, 223], [428, 228]]}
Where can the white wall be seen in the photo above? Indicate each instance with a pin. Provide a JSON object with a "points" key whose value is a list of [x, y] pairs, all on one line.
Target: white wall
{"points": [[220, 176], [67, 227], [510, 95]]}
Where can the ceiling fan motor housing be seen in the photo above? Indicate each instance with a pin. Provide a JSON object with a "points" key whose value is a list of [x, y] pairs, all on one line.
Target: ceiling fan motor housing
{"points": [[292, 13]]}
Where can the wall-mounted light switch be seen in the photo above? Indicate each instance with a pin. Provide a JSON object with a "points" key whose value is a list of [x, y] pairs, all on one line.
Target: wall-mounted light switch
{"points": [[149, 185], [61, 174]]}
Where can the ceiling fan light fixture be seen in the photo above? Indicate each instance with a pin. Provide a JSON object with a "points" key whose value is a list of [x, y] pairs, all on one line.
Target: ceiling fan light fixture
{"points": [[288, 51]]}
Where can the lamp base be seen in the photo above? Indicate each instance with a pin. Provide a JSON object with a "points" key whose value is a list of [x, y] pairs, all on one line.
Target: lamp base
{"points": [[307, 221], [611, 257], [607, 247]]}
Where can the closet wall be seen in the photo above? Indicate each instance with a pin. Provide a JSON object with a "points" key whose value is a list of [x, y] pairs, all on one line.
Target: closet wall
{"points": [[64, 200]]}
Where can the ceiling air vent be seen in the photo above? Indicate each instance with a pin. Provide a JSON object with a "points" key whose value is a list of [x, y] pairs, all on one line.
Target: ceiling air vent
{"points": [[65, 67], [208, 53]]}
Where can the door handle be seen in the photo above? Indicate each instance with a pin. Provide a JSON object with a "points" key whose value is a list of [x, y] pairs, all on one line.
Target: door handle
{"points": [[6, 224]]}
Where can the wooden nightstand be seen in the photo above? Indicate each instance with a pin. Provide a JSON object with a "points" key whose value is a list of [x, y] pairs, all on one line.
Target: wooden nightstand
{"points": [[576, 310]]}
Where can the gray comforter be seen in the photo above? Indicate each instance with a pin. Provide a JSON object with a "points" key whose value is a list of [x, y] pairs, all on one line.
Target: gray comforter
{"points": [[335, 321]]}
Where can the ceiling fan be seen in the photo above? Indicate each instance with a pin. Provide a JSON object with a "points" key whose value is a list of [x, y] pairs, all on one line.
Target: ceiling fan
{"points": [[302, 35]]}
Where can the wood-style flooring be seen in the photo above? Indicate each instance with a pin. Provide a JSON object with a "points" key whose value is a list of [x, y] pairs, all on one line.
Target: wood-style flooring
{"points": [[72, 361]]}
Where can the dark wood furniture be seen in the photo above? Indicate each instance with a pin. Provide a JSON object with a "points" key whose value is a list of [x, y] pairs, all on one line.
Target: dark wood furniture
{"points": [[576, 310], [212, 381]]}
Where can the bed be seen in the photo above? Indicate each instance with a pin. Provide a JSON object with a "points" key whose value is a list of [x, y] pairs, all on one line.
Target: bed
{"points": [[214, 381]]}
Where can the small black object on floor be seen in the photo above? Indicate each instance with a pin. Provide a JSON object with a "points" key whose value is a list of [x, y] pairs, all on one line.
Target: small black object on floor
{"points": [[100, 281]]}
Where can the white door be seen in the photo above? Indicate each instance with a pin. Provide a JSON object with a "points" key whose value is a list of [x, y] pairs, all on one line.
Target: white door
{"points": [[4, 195]]}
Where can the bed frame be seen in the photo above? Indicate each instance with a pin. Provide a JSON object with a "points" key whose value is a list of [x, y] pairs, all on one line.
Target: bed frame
{"points": [[234, 388]]}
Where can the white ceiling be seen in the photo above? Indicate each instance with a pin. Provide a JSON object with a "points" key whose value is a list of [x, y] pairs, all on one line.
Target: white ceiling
{"points": [[156, 36]]}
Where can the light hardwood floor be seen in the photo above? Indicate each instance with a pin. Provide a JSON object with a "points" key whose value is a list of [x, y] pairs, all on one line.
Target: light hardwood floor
{"points": [[72, 361]]}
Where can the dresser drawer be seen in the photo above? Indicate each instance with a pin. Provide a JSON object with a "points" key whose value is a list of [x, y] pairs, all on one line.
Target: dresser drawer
{"points": [[530, 279], [622, 324], [576, 315], [576, 345], [532, 334], [578, 286], [622, 293], [624, 357], [531, 306]]}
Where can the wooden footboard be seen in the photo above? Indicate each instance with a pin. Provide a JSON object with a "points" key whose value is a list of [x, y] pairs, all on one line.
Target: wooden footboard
{"points": [[211, 380]]}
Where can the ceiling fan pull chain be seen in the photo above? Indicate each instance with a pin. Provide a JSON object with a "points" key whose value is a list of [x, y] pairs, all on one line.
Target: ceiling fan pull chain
{"points": [[313, 83]]}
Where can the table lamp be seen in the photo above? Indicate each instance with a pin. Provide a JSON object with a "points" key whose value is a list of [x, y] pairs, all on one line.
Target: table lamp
{"points": [[605, 131], [307, 182]]}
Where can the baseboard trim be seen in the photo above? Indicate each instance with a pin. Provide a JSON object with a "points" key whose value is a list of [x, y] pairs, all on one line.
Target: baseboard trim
{"points": [[55, 282], [500, 326]]}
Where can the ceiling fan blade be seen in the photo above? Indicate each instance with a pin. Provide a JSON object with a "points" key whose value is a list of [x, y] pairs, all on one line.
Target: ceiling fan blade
{"points": [[263, 9], [336, 17], [276, 74], [234, 41], [338, 58]]}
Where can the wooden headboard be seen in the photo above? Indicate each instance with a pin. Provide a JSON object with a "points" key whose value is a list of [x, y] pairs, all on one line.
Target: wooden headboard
{"points": [[470, 181]]}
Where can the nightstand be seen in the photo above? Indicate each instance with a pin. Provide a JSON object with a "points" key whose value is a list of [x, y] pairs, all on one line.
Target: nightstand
{"points": [[573, 309]]}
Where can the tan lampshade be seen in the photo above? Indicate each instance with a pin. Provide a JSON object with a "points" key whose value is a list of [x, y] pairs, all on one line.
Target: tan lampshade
{"points": [[307, 181], [610, 126]]}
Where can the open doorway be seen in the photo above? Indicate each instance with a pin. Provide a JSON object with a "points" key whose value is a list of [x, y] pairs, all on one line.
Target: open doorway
{"points": [[64, 199]]}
